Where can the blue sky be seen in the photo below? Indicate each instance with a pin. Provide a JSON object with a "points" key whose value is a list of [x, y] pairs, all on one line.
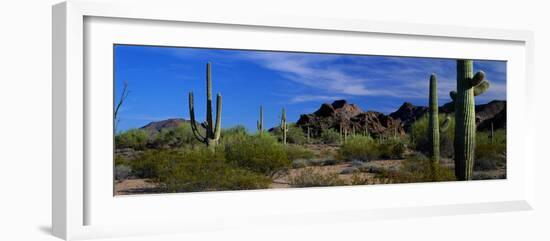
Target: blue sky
{"points": [[160, 78]]}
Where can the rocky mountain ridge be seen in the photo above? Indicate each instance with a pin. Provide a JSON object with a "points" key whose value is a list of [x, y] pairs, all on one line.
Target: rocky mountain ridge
{"points": [[353, 118]]}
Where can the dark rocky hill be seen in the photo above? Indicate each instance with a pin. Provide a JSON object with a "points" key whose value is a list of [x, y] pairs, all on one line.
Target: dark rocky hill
{"points": [[350, 116], [492, 112]]}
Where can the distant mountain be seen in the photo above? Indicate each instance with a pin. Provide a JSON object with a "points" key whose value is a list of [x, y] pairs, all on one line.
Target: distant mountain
{"points": [[351, 116], [492, 112], [156, 126], [408, 113]]}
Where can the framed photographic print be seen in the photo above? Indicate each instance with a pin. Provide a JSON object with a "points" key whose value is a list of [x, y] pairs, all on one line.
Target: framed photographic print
{"points": [[207, 122]]}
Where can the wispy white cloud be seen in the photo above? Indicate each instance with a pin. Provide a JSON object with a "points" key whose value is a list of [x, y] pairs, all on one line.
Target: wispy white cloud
{"points": [[315, 70], [344, 76], [316, 98]]}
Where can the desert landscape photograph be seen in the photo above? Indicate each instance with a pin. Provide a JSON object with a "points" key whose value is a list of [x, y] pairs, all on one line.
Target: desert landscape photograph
{"points": [[201, 119]]}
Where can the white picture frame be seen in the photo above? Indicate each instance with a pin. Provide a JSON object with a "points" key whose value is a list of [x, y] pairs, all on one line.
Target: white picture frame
{"points": [[78, 196]]}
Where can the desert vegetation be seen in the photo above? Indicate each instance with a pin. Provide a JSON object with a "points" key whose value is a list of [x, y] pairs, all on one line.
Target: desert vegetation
{"points": [[339, 144]]}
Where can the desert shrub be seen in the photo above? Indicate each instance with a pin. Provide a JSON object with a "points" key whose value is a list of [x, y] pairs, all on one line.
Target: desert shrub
{"points": [[148, 164], [299, 163], [175, 137], [235, 130], [315, 162], [258, 153], [349, 170], [133, 138], [327, 153], [202, 169], [392, 148], [359, 148], [294, 152], [420, 141], [490, 154], [121, 160], [233, 136], [417, 168], [122, 172], [310, 177], [330, 136], [485, 164], [295, 135]]}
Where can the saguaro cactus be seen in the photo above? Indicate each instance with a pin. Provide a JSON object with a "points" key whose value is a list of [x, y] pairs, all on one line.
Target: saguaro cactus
{"points": [[434, 130], [284, 126], [212, 134], [433, 122], [260, 123], [468, 85]]}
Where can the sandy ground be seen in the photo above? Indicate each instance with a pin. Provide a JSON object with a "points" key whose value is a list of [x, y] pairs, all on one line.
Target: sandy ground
{"points": [[283, 181], [141, 186], [135, 186]]}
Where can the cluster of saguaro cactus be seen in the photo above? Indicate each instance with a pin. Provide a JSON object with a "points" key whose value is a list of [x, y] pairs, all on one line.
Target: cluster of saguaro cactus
{"points": [[212, 134], [468, 86], [343, 133], [284, 126], [260, 123]]}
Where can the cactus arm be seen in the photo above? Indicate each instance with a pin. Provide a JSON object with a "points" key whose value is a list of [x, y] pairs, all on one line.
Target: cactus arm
{"points": [[445, 124], [478, 77], [481, 87], [452, 94], [218, 128], [193, 123]]}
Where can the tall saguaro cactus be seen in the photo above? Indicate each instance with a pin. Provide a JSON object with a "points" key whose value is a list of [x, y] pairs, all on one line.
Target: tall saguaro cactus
{"points": [[284, 126], [260, 123], [433, 122], [212, 134], [468, 86]]}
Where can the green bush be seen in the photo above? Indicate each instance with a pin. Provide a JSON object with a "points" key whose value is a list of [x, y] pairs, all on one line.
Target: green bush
{"points": [[202, 169], [420, 141], [417, 168], [294, 152], [330, 136], [233, 135], [235, 130], [175, 137], [134, 138], [310, 177], [148, 164], [122, 172], [294, 134], [359, 148], [489, 154], [258, 153], [392, 148]]}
